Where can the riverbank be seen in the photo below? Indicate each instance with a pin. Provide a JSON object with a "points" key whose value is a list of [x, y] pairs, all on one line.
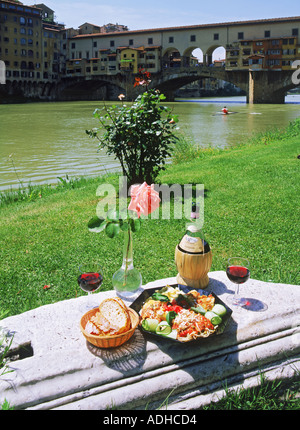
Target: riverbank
{"points": [[251, 209]]}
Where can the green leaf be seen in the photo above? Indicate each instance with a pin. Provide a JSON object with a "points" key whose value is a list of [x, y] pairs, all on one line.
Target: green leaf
{"points": [[112, 229], [135, 225], [124, 226], [96, 225]]}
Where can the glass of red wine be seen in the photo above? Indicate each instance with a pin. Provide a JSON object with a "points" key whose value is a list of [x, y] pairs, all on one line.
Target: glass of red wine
{"points": [[238, 272], [90, 280]]}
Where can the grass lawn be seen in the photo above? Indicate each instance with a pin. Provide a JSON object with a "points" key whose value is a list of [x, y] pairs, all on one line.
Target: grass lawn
{"points": [[251, 209]]}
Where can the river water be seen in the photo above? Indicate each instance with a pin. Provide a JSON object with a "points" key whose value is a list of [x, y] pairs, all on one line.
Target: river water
{"points": [[48, 140]]}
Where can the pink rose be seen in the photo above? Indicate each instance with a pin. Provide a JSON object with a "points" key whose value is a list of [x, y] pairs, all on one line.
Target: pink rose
{"points": [[144, 199]]}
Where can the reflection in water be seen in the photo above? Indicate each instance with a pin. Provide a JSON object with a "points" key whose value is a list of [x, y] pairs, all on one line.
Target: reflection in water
{"points": [[48, 140]]}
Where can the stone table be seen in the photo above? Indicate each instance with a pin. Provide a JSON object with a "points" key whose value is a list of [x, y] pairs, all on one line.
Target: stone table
{"points": [[55, 368]]}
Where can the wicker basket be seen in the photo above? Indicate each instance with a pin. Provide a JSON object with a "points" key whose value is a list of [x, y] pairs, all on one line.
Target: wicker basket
{"points": [[108, 341]]}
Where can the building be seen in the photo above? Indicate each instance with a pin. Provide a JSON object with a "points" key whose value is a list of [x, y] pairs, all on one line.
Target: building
{"points": [[30, 42], [21, 40], [263, 53], [35, 48]]}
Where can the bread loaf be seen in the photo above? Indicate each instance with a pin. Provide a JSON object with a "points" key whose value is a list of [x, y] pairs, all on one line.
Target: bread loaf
{"points": [[114, 311]]}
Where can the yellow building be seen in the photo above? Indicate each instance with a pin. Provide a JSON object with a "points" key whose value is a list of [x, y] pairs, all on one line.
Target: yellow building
{"points": [[129, 58], [21, 36]]}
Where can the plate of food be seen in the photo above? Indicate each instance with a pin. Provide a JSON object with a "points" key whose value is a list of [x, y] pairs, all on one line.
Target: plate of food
{"points": [[181, 313]]}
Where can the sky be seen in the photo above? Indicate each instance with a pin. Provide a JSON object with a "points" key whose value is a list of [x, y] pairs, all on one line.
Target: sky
{"points": [[139, 15]]}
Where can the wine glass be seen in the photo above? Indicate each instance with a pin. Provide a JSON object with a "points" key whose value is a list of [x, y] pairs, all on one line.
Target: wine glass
{"points": [[90, 280], [238, 272]]}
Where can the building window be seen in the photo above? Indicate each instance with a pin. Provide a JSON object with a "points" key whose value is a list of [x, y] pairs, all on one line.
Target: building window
{"points": [[240, 35], [171, 39], [22, 20], [73, 45], [130, 42], [216, 36], [295, 32], [112, 43], [193, 38], [267, 33], [95, 44], [150, 41]]}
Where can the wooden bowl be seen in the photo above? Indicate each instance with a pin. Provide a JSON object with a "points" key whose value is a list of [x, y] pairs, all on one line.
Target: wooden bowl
{"points": [[108, 341]]}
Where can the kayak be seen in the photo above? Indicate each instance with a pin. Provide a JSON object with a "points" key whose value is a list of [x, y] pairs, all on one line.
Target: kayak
{"points": [[222, 113]]}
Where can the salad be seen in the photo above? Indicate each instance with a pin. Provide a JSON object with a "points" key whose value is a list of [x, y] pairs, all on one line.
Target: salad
{"points": [[182, 316]]}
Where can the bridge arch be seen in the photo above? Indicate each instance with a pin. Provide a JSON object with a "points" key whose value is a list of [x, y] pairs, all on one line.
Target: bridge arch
{"points": [[208, 56], [191, 52], [171, 58]]}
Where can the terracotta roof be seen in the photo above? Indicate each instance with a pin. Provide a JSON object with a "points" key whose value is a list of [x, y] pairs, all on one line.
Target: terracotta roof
{"points": [[88, 23], [192, 27]]}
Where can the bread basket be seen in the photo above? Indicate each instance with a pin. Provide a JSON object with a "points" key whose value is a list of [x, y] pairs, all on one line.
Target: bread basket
{"points": [[108, 341]]}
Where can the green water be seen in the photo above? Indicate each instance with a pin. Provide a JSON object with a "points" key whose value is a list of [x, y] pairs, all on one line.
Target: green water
{"points": [[48, 140]]}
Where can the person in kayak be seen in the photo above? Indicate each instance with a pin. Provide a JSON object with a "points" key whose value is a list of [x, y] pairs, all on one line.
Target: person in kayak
{"points": [[225, 110]]}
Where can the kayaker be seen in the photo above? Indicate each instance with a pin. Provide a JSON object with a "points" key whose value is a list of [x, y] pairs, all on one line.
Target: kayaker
{"points": [[225, 110]]}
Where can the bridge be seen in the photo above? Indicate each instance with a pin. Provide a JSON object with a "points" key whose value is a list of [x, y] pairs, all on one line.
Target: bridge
{"points": [[259, 57], [260, 87]]}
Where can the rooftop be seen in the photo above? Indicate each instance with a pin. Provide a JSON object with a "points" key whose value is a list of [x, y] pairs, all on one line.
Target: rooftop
{"points": [[191, 27]]}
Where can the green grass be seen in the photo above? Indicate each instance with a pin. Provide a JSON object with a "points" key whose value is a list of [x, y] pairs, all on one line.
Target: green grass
{"points": [[251, 209], [267, 396]]}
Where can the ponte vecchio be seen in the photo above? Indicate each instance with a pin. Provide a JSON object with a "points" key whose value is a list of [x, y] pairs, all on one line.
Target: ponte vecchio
{"points": [[260, 56]]}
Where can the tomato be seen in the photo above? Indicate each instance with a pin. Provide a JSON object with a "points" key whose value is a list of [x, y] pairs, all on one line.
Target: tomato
{"points": [[174, 308], [184, 333]]}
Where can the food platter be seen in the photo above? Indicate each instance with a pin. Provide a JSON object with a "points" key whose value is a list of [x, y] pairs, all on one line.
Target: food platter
{"points": [[147, 296]]}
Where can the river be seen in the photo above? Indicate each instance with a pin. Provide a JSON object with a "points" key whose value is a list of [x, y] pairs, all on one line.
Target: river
{"points": [[42, 141]]}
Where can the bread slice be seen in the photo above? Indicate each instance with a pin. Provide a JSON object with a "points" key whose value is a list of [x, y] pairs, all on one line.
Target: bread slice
{"points": [[101, 323], [115, 312]]}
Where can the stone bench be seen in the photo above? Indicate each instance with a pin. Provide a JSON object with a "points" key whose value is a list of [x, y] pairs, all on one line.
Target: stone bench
{"points": [[55, 368]]}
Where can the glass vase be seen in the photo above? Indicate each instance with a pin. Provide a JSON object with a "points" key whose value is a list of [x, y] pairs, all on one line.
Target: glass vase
{"points": [[127, 280]]}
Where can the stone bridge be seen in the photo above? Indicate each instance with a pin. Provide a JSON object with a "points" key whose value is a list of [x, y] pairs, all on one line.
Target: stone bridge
{"points": [[260, 86]]}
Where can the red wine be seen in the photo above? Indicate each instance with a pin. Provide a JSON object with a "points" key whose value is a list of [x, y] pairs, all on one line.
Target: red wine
{"points": [[90, 281], [238, 274]]}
